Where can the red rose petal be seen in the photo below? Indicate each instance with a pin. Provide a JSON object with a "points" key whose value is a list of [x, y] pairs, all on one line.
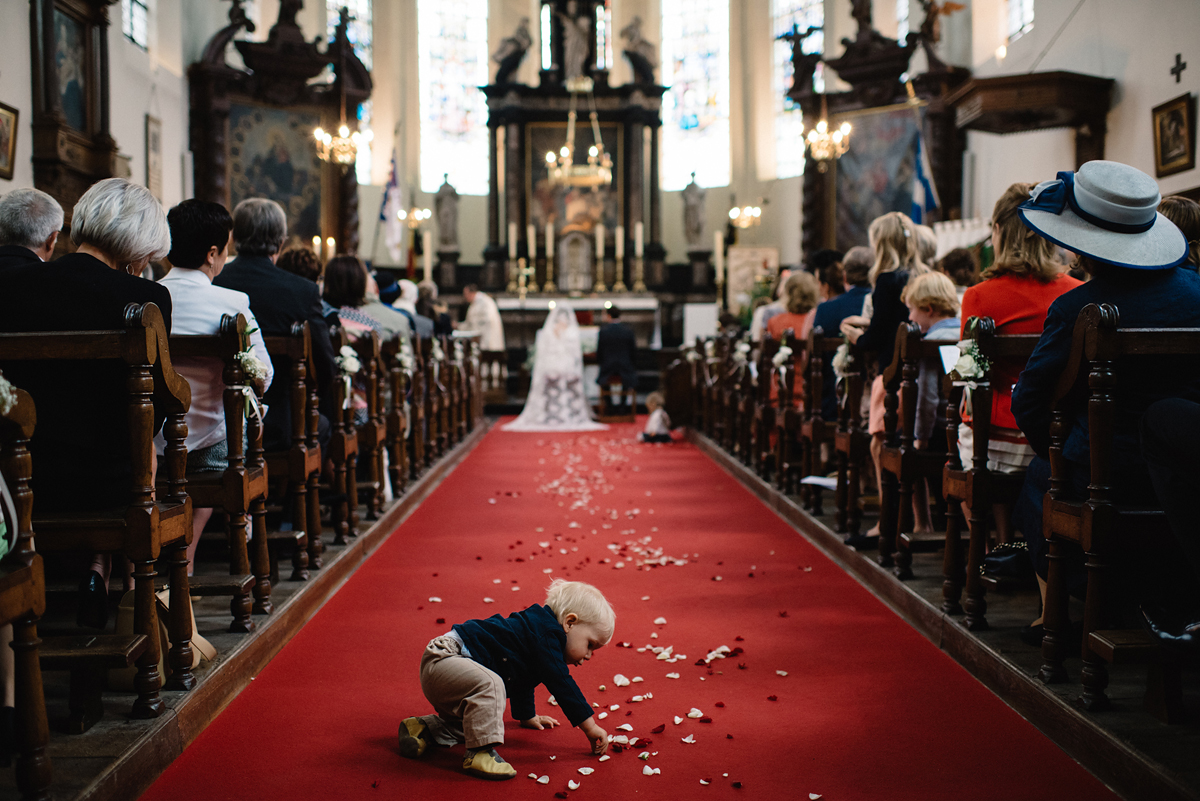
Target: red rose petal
{"points": [[700, 663], [783, 613], [772, 698], [720, 704], [738, 785], [741, 665], [560, 794], [435, 575], [659, 729], [441, 620], [751, 575], [739, 638], [706, 719], [480, 558], [728, 736], [629, 713]]}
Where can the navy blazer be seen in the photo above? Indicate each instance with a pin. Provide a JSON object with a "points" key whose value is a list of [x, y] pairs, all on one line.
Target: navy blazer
{"points": [[1144, 299], [889, 312], [279, 299], [829, 319], [616, 347], [527, 649]]}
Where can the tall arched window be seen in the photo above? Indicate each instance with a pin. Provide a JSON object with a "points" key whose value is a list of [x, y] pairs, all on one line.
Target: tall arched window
{"points": [[789, 122], [452, 50], [695, 65], [359, 32], [1020, 18]]}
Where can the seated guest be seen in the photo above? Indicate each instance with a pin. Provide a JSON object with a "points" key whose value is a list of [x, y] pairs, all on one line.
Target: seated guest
{"points": [[658, 426], [394, 323], [1016, 292], [831, 280], [1106, 214], [29, 224], [200, 236], [801, 293], [758, 322], [301, 261], [429, 306], [959, 266], [1185, 213], [278, 299], [406, 304], [856, 264], [926, 244], [346, 290], [81, 449]]}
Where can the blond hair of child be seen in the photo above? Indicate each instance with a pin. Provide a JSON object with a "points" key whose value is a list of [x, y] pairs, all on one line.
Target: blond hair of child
{"points": [[933, 291]]}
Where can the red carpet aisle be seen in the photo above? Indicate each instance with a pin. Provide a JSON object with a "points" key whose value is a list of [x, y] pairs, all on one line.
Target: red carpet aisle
{"points": [[868, 709]]}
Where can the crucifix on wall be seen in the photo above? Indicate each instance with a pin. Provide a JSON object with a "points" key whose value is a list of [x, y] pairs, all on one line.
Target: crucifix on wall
{"points": [[1180, 66]]}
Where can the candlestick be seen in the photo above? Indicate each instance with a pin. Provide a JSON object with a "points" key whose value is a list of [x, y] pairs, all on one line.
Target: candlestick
{"points": [[512, 240], [522, 279], [330, 248], [638, 240], [427, 247], [719, 264], [599, 286], [639, 276], [512, 276], [549, 286], [619, 243], [317, 246], [619, 260], [531, 238]]}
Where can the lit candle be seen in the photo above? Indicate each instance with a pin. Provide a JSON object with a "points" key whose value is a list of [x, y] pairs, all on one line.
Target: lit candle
{"points": [[619, 243], [317, 246], [512, 240], [531, 236], [638, 239], [330, 248], [719, 255], [427, 247], [599, 242], [549, 240]]}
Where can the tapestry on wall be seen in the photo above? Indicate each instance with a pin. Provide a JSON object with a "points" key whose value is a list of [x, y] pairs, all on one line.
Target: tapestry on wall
{"points": [[272, 155], [876, 175]]}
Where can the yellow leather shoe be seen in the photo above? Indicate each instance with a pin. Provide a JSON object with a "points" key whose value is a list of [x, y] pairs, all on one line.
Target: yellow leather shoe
{"points": [[412, 738], [488, 765]]}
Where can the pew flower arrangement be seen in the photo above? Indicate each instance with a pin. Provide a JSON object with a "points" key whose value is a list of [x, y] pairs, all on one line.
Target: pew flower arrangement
{"points": [[971, 366], [842, 359], [782, 356], [710, 349], [8, 396], [691, 355], [347, 361], [405, 356], [436, 351], [741, 354]]}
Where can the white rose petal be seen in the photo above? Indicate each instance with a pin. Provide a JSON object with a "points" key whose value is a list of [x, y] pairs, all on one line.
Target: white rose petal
{"points": [[636, 679], [553, 702], [691, 738], [695, 713], [533, 776], [636, 699], [645, 597], [814, 796], [572, 784], [672, 675], [602, 688], [495, 581], [614, 707], [678, 720], [491, 500], [552, 757], [620, 680], [604, 758], [781, 673], [489, 600], [548, 570], [644, 756], [587, 771], [602, 715], [623, 739], [515, 588], [435, 600], [704, 782], [543, 545], [633, 741], [624, 727], [543, 780], [660, 621], [649, 771]]}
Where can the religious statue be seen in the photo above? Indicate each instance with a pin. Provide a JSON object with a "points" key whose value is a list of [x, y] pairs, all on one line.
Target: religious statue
{"points": [[931, 30], [446, 203], [693, 213], [804, 65], [641, 54], [577, 31], [512, 51]]}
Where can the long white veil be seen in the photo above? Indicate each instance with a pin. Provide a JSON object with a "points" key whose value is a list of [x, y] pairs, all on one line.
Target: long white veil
{"points": [[556, 399]]}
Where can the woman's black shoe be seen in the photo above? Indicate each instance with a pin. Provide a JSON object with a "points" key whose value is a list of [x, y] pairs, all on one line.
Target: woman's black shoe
{"points": [[1182, 639], [93, 602], [1032, 635]]}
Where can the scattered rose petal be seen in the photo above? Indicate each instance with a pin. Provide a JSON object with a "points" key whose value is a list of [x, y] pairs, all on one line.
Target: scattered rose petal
{"points": [[435, 600], [561, 794], [514, 589], [678, 720], [553, 702], [441, 620], [489, 600], [644, 756], [602, 715], [620, 680], [649, 771], [552, 757], [636, 699], [691, 738], [659, 729], [645, 597], [614, 707], [716, 578], [587, 771], [660, 621], [737, 785], [672, 675], [623, 739], [625, 727], [572, 784], [706, 719], [695, 713], [543, 780], [604, 758], [814, 797], [705, 782], [728, 736], [781, 673], [636, 679], [783, 613], [772, 698], [495, 581]]}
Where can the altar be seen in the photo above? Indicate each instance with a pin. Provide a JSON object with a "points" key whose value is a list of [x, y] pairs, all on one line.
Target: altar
{"points": [[523, 317]]}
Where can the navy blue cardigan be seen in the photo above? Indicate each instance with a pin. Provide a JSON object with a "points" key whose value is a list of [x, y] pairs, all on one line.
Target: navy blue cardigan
{"points": [[527, 649]]}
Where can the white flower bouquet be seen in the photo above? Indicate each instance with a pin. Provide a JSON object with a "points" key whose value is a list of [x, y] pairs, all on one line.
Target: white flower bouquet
{"points": [[782, 356], [842, 360], [972, 365], [254, 367], [436, 352], [741, 354], [347, 361], [8, 396]]}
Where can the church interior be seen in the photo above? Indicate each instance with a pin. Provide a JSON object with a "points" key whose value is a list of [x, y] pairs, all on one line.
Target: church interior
{"points": [[597, 290]]}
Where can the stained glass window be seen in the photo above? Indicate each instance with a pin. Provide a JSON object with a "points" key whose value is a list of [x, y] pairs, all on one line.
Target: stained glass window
{"points": [[695, 65], [134, 21], [359, 32], [604, 45], [547, 58], [452, 49], [1020, 18], [789, 122], [901, 20]]}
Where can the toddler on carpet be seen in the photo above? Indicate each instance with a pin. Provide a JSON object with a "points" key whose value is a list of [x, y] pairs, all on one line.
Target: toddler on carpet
{"points": [[468, 672], [658, 427]]}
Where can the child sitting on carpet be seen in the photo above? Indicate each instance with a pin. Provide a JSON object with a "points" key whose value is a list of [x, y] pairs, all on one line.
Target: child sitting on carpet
{"points": [[467, 672], [658, 427]]}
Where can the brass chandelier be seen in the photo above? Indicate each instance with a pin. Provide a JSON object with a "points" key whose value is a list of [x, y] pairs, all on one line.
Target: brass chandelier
{"points": [[562, 168], [824, 145]]}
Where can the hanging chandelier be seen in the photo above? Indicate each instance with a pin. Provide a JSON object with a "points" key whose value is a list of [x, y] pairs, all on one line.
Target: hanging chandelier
{"points": [[745, 216], [824, 145], [562, 168], [341, 149]]}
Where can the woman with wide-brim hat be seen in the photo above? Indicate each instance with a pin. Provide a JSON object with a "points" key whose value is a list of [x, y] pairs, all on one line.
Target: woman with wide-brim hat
{"points": [[1106, 214]]}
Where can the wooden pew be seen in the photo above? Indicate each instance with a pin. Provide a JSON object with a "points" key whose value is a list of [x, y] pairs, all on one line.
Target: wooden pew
{"points": [[851, 444], [788, 417], [148, 526], [974, 484], [298, 467], [23, 597], [434, 393], [815, 430], [395, 359], [372, 435], [343, 449], [762, 424], [416, 420], [1102, 527]]}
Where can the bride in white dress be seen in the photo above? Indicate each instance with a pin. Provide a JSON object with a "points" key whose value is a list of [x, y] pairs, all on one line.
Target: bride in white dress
{"points": [[556, 399]]}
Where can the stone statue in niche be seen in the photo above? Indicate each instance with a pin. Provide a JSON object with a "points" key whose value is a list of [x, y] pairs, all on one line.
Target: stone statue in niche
{"points": [[512, 51], [693, 213], [804, 65], [577, 32], [641, 54], [446, 203]]}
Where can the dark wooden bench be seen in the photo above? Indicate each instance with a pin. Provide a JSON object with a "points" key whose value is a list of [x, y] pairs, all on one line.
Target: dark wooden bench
{"points": [[343, 450], [851, 444], [815, 430], [372, 435]]}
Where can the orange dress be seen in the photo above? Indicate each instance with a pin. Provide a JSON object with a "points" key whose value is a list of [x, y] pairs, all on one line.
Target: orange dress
{"points": [[800, 324]]}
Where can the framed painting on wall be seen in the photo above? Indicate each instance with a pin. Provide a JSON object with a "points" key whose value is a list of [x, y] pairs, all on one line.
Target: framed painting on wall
{"points": [[154, 157], [1174, 136], [8, 141]]}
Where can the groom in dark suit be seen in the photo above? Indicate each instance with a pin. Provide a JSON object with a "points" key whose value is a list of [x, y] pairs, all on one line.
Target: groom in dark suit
{"points": [[615, 350], [278, 300]]}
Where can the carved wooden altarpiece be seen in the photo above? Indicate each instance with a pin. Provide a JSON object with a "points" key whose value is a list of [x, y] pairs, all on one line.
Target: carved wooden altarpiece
{"points": [[251, 128]]}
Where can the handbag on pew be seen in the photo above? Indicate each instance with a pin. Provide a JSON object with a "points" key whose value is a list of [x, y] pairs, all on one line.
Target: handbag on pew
{"points": [[122, 679], [1008, 563]]}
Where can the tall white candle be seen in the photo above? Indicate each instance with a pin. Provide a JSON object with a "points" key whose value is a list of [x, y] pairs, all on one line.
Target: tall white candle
{"points": [[512, 240], [427, 247], [317, 246], [549, 240], [599, 242], [719, 255], [619, 243], [330, 248], [639, 233], [531, 239]]}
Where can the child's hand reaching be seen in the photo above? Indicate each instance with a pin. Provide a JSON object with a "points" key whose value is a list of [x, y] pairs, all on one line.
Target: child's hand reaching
{"points": [[597, 735], [539, 722]]}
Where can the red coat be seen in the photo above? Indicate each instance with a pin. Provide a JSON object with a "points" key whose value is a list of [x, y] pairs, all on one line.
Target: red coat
{"points": [[800, 324], [1018, 305]]}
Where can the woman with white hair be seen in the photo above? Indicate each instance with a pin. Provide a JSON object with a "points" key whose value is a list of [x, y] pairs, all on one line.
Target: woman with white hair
{"points": [[82, 449], [406, 304]]}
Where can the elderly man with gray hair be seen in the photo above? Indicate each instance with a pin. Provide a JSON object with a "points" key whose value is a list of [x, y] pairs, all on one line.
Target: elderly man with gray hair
{"points": [[278, 299], [29, 224]]}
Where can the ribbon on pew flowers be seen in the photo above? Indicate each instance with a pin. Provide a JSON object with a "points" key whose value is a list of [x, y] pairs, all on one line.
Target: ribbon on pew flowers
{"points": [[253, 404], [971, 366], [349, 365], [780, 359]]}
